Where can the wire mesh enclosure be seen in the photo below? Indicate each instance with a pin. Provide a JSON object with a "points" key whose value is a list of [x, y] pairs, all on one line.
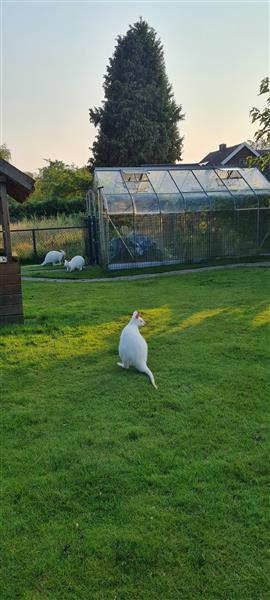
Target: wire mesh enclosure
{"points": [[31, 245], [172, 214]]}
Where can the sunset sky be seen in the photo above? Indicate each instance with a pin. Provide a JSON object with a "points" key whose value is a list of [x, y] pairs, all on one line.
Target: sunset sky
{"points": [[54, 56]]}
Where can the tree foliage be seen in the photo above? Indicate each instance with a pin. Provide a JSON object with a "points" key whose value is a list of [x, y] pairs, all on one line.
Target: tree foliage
{"points": [[5, 152], [58, 180], [262, 116], [138, 122], [262, 135], [259, 145], [59, 188]]}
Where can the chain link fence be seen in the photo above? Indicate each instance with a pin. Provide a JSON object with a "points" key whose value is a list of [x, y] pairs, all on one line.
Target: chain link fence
{"points": [[31, 245]]}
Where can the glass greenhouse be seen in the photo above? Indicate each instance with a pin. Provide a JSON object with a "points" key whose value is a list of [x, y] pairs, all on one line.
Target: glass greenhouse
{"points": [[156, 215]]}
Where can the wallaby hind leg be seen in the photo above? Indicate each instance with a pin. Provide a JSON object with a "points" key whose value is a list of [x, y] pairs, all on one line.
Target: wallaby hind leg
{"points": [[150, 375], [123, 365]]}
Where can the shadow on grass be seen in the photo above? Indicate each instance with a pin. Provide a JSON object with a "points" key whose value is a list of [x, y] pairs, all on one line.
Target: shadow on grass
{"points": [[42, 342]]}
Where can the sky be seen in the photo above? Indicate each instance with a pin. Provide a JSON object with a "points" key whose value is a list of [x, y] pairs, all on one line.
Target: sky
{"points": [[54, 56]]}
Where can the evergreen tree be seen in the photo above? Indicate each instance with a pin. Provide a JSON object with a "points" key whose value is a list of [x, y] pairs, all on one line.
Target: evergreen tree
{"points": [[138, 120]]}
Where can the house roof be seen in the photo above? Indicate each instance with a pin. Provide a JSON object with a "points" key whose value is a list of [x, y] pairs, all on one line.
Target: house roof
{"points": [[226, 153], [263, 151], [19, 185]]}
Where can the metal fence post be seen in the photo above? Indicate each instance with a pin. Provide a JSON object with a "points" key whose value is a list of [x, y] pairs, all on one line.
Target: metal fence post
{"points": [[87, 239], [34, 243], [95, 239], [91, 240], [258, 232]]}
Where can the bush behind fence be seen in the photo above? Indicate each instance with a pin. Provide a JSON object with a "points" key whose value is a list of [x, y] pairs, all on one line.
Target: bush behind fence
{"points": [[46, 208], [31, 245]]}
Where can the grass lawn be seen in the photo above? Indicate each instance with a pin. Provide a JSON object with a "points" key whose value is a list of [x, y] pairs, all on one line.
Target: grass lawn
{"points": [[114, 490]]}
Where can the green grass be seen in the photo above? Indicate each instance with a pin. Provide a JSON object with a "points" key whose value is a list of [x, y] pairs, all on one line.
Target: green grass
{"points": [[92, 272], [113, 490]]}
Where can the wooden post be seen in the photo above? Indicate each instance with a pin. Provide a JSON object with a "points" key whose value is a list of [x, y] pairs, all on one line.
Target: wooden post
{"points": [[5, 219]]}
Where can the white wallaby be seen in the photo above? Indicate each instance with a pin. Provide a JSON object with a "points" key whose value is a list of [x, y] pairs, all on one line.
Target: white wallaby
{"points": [[53, 257], [133, 348], [77, 262]]}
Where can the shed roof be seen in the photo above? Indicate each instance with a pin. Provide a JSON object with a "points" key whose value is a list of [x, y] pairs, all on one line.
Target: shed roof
{"points": [[19, 185]]}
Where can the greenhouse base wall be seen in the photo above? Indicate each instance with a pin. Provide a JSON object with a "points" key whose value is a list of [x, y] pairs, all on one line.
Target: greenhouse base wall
{"points": [[210, 260], [141, 265]]}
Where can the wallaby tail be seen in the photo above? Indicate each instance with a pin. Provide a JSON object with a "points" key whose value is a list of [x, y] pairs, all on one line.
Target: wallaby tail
{"points": [[150, 375], [42, 264]]}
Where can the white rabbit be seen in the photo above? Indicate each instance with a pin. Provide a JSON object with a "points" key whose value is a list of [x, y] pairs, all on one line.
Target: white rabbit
{"points": [[133, 348], [53, 257], [77, 262]]}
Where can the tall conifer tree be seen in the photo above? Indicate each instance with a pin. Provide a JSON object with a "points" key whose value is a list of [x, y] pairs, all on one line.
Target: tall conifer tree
{"points": [[138, 120]]}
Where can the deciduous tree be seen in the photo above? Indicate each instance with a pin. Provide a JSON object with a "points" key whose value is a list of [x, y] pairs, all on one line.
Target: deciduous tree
{"points": [[262, 135], [5, 152]]}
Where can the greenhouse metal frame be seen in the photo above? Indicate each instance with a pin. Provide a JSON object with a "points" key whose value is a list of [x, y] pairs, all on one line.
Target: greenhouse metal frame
{"points": [[161, 215]]}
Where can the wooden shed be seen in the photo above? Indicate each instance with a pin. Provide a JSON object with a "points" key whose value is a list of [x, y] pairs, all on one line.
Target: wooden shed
{"points": [[17, 185]]}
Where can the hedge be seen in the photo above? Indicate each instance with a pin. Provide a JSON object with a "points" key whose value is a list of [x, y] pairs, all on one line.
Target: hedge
{"points": [[46, 208]]}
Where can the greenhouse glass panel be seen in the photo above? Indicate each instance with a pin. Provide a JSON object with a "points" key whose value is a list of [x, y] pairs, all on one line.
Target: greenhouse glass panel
{"points": [[264, 232], [210, 181], [264, 199], [185, 181], [131, 175], [196, 201], [111, 181], [145, 203], [233, 180], [162, 182], [255, 179], [260, 185], [247, 232], [118, 204], [121, 239], [222, 233], [246, 200], [197, 224], [149, 241], [221, 200], [175, 242], [171, 203], [137, 183], [244, 196]]}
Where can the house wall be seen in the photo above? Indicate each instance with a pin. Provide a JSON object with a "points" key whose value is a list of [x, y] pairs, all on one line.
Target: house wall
{"points": [[239, 159]]}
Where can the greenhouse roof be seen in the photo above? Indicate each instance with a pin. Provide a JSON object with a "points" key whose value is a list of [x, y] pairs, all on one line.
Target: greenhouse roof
{"points": [[177, 188]]}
